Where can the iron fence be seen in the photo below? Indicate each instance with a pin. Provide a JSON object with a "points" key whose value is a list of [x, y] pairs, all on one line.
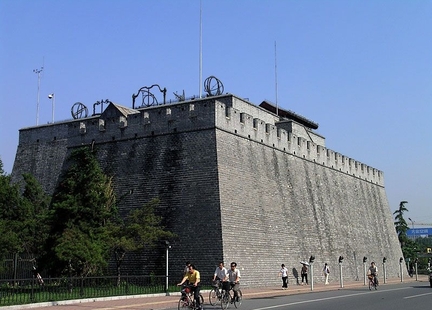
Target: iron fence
{"points": [[30, 290], [17, 266]]}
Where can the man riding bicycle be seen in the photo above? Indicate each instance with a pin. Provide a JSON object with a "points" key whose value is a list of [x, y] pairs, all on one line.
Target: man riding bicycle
{"points": [[193, 276], [221, 275], [234, 279], [373, 271]]}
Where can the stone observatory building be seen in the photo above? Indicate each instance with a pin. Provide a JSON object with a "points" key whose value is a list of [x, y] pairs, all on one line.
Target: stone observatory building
{"points": [[236, 181]]}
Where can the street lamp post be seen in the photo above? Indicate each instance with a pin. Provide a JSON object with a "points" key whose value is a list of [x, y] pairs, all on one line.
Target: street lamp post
{"points": [[400, 267], [364, 269], [311, 261], [384, 270], [167, 247], [408, 260], [52, 97], [412, 223], [340, 271]]}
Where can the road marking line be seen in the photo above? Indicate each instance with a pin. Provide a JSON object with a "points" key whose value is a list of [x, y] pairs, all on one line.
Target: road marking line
{"points": [[327, 298], [414, 296]]}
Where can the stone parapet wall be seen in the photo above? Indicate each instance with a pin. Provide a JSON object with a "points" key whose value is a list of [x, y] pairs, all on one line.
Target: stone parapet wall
{"points": [[244, 125], [281, 208], [232, 185]]}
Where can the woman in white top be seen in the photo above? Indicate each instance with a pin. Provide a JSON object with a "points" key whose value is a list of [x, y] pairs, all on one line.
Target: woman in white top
{"points": [[284, 274], [326, 272]]}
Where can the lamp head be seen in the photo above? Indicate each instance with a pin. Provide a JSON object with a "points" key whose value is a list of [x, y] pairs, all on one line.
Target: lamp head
{"points": [[340, 259], [364, 259], [401, 260], [50, 96], [311, 259], [384, 260]]}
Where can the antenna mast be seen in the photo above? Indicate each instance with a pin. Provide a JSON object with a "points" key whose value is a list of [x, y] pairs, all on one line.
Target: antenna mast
{"points": [[200, 52], [38, 72], [276, 88]]}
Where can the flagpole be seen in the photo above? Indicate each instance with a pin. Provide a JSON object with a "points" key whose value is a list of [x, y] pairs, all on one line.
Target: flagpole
{"points": [[276, 86], [200, 52]]}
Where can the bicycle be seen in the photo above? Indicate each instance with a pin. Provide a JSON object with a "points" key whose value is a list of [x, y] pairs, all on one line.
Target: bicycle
{"points": [[228, 299], [187, 299], [372, 282], [215, 294]]}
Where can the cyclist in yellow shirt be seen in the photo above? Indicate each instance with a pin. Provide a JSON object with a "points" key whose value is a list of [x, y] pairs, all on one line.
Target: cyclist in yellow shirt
{"points": [[193, 276]]}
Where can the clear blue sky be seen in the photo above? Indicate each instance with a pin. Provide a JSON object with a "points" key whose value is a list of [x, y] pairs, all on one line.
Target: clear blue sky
{"points": [[361, 69]]}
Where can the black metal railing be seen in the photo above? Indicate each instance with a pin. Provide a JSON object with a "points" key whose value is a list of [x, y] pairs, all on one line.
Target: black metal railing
{"points": [[30, 290]]}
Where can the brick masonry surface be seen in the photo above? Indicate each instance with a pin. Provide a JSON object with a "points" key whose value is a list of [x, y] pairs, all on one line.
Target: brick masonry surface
{"points": [[233, 186]]}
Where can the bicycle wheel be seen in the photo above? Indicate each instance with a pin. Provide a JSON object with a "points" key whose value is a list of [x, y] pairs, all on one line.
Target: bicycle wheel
{"points": [[183, 303], [201, 299], [213, 299], [225, 300], [238, 299], [370, 285]]}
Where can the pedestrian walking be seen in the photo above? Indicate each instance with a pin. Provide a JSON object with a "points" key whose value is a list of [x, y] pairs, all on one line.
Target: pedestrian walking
{"points": [[326, 272], [304, 274], [284, 274]]}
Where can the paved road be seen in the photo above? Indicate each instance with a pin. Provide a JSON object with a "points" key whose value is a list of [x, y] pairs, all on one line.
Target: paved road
{"points": [[272, 298], [389, 297]]}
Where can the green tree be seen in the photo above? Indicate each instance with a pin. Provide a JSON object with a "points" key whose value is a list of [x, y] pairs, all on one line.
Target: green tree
{"points": [[400, 223], [23, 226], [33, 217], [424, 243], [82, 208], [9, 202], [141, 228], [407, 245]]}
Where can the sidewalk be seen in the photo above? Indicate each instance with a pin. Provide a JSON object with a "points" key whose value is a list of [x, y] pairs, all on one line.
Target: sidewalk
{"points": [[161, 301]]}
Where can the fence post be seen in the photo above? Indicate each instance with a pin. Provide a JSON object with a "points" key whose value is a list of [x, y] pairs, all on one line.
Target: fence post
{"points": [[127, 284], [32, 295], [82, 287], [15, 267]]}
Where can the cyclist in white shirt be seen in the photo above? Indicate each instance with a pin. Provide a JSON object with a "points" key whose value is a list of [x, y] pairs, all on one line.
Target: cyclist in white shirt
{"points": [[221, 274], [373, 270], [234, 278]]}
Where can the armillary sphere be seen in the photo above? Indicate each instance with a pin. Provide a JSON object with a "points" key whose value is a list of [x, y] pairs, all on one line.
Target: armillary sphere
{"points": [[79, 110], [148, 99], [213, 86]]}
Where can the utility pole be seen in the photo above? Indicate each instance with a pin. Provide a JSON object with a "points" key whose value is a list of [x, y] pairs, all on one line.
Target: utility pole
{"points": [[38, 72], [412, 223]]}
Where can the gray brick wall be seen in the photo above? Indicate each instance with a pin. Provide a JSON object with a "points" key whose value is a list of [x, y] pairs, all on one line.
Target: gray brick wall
{"points": [[279, 208], [233, 186]]}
